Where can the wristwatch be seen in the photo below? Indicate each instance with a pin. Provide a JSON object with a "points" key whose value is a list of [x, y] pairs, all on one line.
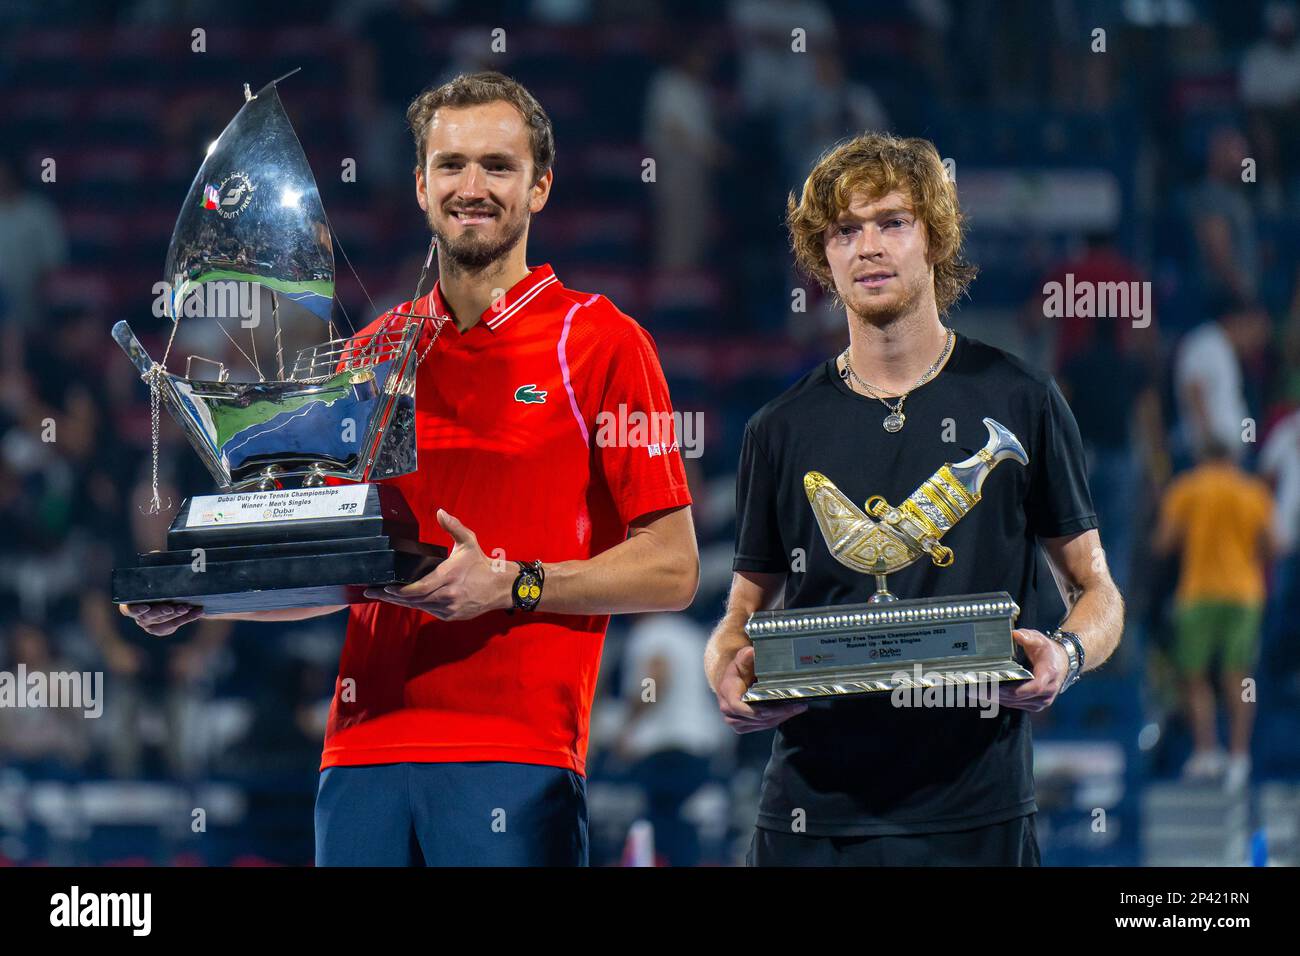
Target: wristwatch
{"points": [[527, 590], [1074, 651]]}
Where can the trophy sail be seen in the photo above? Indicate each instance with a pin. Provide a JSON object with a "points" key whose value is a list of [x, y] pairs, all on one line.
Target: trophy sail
{"points": [[254, 213]]}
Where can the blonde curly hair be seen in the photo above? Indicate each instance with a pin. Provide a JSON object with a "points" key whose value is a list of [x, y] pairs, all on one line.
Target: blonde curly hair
{"points": [[875, 164]]}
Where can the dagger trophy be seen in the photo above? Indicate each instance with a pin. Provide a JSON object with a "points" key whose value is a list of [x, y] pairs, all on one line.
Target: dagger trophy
{"points": [[852, 649]]}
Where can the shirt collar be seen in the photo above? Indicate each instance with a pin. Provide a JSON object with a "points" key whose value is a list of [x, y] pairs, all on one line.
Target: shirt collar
{"points": [[512, 303]]}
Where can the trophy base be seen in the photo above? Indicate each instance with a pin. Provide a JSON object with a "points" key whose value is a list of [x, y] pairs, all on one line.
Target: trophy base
{"points": [[872, 648], [261, 551]]}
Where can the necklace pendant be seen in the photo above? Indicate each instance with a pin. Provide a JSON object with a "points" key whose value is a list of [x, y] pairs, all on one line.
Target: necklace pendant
{"points": [[894, 421]]}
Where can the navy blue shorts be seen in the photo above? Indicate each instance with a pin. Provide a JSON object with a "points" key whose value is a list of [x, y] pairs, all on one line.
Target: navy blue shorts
{"points": [[451, 814]]}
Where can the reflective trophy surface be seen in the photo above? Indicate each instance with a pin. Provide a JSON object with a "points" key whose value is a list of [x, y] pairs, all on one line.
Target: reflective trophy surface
{"points": [[889, 643], [277, 535]]}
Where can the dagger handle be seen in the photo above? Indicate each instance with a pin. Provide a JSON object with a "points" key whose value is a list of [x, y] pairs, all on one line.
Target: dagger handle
{"points": [[1001, 446]]}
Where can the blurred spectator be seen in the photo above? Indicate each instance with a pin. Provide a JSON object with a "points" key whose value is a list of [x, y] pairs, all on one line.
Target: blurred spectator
{"points": [[394, 44], [32, 245], [1279, 463], [1224, 223], [1208, 379], [1289, 373], [41, 740], [1109, 392], [833, 107], [1220, 521], [1101, 262], [387, 67], [672, 729], [772, 74], [681, 134], [1270, 90], [160, 690]]}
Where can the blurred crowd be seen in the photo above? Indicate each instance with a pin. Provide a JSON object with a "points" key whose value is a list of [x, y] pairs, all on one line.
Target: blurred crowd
{"points": [[681, 129]]}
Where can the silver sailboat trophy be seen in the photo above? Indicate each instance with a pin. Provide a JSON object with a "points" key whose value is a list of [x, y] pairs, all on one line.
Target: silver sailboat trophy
{"points": [[279, 534]]}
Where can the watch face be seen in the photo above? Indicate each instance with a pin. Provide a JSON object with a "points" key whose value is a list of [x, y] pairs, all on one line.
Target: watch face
{"points": [[528, 589]]}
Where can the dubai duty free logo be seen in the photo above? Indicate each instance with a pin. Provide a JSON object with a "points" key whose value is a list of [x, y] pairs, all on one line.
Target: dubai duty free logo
{"points": [[231, 196]]}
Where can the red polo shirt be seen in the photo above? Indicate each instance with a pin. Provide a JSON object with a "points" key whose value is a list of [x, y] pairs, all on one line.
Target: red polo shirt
{"points": [[514, 421]]}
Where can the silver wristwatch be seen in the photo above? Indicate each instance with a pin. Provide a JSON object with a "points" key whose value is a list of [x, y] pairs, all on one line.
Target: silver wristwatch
{"points": [[1074, 651]]}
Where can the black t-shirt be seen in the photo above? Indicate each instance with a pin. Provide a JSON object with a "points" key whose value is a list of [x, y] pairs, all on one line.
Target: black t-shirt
{"points": [[858, 766]]}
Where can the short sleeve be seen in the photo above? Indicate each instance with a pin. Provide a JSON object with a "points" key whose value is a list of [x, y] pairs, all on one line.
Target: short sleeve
{"points": [[1059, 502], [636, 445], [758, 537]]}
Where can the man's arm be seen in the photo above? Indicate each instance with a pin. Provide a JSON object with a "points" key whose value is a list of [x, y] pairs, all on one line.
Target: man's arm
{"points": [[1095, 608], [163, 620], [1149, 424], [729, 656], [656, 568], [1215, 238], [1095, 611]]}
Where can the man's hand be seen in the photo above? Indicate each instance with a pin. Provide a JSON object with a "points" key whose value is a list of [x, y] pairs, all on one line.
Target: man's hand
{"points": [[161, 620], [1050, 664], [740, 716], [463, 586]]}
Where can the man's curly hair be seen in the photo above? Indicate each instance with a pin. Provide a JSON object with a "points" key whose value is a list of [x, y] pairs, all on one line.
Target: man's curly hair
{"points": [[875, 164]]}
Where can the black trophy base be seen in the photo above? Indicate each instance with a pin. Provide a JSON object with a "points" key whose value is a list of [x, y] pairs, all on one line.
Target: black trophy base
{"points": [[271, 564]]}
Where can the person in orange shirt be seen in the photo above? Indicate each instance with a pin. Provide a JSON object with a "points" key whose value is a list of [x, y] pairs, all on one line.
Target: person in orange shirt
{"points": [[1219, 519]]}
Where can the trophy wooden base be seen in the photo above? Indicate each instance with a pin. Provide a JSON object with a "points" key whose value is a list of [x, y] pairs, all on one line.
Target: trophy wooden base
{"points": [[258, 551]]}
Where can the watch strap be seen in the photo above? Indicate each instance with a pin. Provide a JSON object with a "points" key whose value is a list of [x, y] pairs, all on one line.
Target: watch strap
{"points": [[1074, 651]]}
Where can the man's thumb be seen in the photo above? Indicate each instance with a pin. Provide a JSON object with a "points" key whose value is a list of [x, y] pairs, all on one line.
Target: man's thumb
{"points": [[745, 661], [459, 533]]}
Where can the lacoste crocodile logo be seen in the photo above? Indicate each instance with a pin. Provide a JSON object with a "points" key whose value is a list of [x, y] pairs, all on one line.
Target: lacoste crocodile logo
{"points": [[530, 395]]}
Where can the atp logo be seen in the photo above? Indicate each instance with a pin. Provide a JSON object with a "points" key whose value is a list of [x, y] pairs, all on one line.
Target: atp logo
{"points": [[530, 395]]}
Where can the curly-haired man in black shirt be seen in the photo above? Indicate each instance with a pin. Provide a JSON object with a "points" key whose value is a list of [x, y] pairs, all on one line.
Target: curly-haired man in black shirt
{"points": [[859, 780]]}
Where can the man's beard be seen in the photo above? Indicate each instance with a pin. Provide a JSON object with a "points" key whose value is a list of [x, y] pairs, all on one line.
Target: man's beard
{"points": [[472, 253], [875, 311]]}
